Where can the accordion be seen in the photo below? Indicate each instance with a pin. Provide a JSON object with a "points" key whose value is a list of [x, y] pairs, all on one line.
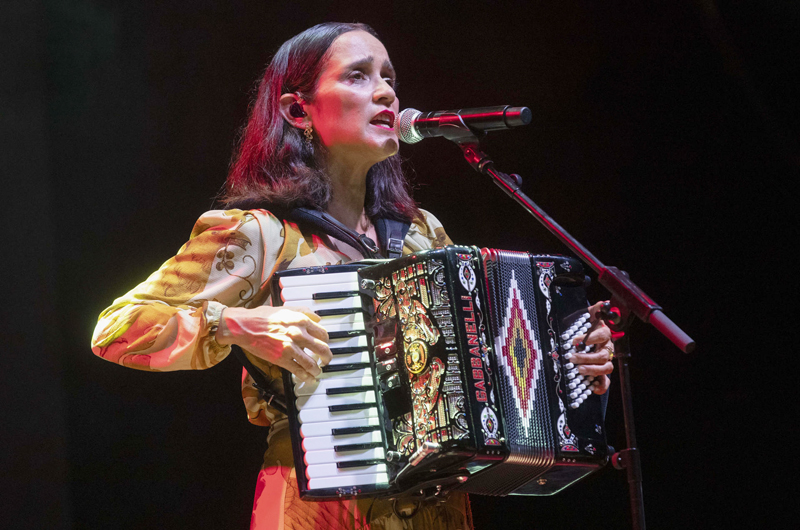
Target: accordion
{"points": [[450, 370]]}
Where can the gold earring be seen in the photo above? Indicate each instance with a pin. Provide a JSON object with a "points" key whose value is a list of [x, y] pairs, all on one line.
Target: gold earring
{"points": [[308, 133]]}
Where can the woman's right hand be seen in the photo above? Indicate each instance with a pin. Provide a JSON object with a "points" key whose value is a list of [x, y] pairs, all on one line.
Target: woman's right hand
{"points": [[279, 335]]}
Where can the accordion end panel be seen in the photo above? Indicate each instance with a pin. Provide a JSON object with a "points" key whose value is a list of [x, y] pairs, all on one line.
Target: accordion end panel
{"points": [[553, 441]]}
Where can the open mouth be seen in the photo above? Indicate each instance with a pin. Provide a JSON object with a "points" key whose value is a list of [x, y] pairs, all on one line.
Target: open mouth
{"points": [[384, 119]]}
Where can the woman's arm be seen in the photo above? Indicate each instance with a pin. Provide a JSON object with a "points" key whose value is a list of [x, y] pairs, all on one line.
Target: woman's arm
{"points": [[209, 296], [279, 335], [168, 322]]}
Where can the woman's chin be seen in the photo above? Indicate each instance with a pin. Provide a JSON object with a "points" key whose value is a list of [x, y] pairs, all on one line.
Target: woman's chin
{"points": [[391, 146]]}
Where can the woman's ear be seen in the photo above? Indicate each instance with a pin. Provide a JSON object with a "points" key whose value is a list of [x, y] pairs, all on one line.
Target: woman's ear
{"points": [[292, 110]]}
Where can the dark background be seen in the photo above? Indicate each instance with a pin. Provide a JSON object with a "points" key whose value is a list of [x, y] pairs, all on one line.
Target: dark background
{"points": [[664, 138]]}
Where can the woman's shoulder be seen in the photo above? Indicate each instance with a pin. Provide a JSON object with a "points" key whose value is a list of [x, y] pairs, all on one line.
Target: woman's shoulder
{"points": [[235, 219], [429, 233]]}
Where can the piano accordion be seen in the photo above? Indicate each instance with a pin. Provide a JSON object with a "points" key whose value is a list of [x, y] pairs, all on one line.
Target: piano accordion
{"points": [[450, 369]]}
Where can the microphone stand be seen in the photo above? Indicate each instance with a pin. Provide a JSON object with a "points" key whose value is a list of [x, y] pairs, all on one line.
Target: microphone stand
{"points": [[627, 300]]}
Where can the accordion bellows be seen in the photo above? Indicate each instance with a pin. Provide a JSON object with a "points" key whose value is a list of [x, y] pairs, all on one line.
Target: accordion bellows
{"points": [[450, 369]]}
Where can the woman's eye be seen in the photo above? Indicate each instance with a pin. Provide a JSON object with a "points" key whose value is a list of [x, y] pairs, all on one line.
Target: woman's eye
{"points": [[358, 76]]}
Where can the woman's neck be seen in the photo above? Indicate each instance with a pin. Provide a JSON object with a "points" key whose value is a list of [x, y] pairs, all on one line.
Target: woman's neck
{"points": [[348, 193]]}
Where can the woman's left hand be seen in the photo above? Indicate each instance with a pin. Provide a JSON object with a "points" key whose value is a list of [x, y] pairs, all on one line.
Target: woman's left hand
{"points": [[599, 362]]}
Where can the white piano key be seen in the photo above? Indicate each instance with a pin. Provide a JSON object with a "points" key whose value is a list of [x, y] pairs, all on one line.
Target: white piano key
{"points": [[303, 292], [321, 415], [353, 319], [315, 443], [325, 428], [334, 303], [348, 480], [359, 357], [321, 386], [330, 470], [329, 456], [323, 400], [318, 279], [349, 342], [343, 327]]}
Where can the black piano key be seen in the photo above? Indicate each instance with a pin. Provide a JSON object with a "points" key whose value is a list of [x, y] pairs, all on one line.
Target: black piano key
{"points": [[350, 406], [334, 312], [356, 447], [344, 367], [348, 350], [354, 430], [346, 333], [348, 390], [360, 463], [334, 294]]}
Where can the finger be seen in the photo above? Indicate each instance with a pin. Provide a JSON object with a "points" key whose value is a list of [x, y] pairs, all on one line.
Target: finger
{"points": [[288, 363], [308, 363], [311, 323], [594, 309], [596, 369], [600, 357], [316, 331], [306, 311], [601, 385], [303, 360], [304, 339], [599, 334]]}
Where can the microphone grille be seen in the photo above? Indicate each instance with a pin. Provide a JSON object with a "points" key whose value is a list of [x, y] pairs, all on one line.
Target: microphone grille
{"points": [[405, 128]]}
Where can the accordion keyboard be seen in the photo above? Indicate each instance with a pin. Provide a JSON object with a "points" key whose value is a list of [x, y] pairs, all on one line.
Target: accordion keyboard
{"points": [[342, 439], [579, 386]]}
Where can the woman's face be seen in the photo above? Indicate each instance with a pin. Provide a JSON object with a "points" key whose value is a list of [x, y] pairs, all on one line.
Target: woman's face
{"points": [[354, 108]]}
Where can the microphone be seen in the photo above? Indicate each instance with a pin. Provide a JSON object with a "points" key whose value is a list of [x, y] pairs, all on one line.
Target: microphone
{"points": [[413, 125]]}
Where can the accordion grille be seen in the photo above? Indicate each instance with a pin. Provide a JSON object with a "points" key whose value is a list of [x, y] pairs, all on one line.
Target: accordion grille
{"points": [[520, 353]]}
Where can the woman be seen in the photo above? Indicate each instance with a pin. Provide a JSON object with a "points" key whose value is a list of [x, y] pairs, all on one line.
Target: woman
{"points": [[320, 136]]}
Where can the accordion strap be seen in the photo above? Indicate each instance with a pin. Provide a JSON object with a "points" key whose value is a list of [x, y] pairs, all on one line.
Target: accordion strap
{"points": [[273, 399], [391, 233], [326, 223]]}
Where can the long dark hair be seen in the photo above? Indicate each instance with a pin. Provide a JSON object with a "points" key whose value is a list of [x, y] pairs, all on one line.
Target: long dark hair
{"points": [[275, 167]]}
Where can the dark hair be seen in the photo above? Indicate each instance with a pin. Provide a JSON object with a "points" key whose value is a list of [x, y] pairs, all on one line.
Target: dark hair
{"points": [[274, 166]]}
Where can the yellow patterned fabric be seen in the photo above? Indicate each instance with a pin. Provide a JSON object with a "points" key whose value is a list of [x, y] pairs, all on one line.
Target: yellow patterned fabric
{"points": [[168, 322]]}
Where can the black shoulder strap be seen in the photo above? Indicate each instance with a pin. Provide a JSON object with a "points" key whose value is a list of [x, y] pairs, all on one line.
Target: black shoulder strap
{"points": [[332, 227], [260, 381], [392, 234]]}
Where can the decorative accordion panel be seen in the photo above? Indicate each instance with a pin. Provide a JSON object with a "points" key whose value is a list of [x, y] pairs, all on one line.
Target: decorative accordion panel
{"points": [[438, 303], [518, 350]]}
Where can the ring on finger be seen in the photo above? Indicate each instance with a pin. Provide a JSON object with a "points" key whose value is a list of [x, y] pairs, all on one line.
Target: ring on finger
{"points": [[610, 348]]}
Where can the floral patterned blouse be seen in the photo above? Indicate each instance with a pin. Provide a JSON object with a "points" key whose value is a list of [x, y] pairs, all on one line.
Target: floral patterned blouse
{"points": [[168, 323]]}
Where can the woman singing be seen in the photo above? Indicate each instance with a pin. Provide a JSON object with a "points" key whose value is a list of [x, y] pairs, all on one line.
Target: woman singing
{"points": [[320, 136]]}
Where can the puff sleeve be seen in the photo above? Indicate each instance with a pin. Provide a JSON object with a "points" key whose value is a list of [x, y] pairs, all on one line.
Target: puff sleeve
{"points": [[168, 321]]}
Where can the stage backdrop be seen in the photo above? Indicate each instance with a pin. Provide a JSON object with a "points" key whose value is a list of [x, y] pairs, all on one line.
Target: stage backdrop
{"points": [[664, 137]]}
